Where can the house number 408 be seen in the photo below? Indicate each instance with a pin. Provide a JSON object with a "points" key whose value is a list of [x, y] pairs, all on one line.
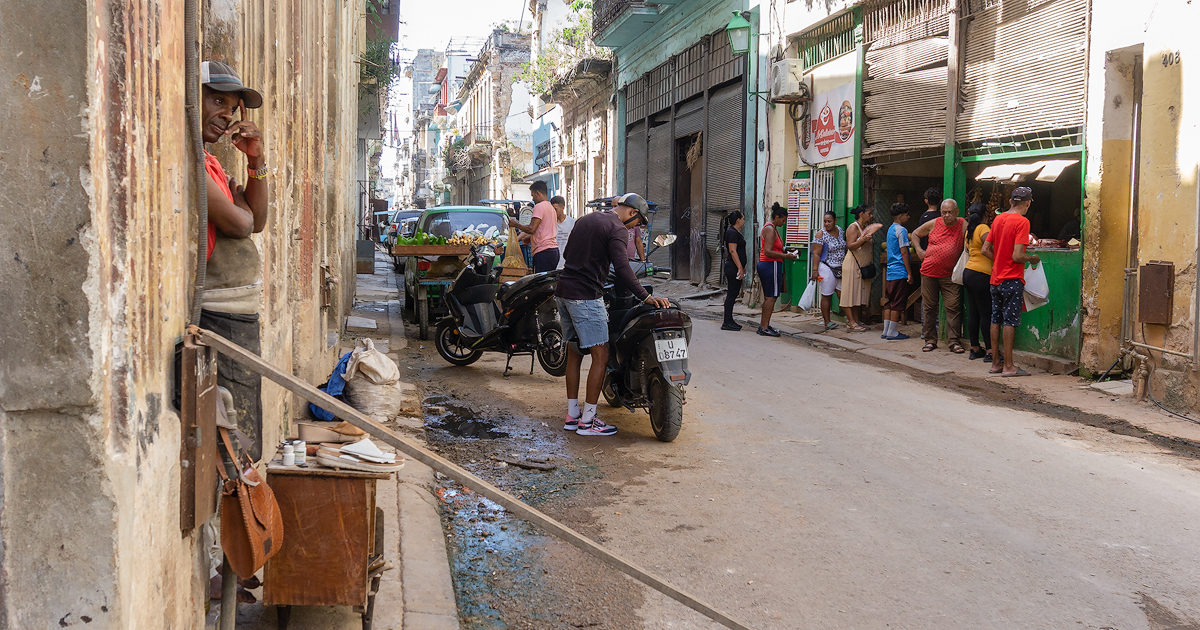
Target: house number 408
{"points": [[1171, 58]]}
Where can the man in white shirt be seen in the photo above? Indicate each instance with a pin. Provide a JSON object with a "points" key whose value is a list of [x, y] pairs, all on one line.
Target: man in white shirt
{"points": [[565, 223]]}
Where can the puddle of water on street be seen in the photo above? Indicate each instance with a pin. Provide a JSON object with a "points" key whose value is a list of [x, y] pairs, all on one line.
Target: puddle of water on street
{"points": [[458, 421]]}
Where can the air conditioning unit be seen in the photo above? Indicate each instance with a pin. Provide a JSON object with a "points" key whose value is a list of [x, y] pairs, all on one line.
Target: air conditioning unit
{"points": [[787, 82]]}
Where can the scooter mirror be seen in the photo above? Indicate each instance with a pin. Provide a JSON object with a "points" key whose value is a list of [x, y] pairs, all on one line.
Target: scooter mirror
{"points": [[662, 240]]}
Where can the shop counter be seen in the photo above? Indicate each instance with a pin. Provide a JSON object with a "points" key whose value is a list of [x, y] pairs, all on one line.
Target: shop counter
{"points": [[1055, 329]]}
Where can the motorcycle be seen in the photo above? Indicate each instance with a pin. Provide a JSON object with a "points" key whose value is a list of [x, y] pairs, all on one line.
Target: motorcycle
{"points": [[518, 318], [647, 360]]}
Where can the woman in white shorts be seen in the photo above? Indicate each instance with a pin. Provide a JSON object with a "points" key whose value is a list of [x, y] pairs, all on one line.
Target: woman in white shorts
{"points": [[828, 252]]}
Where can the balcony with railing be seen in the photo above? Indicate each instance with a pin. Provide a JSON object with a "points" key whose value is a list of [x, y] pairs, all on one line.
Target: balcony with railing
{"points": [[615, 23], [481, 133]]}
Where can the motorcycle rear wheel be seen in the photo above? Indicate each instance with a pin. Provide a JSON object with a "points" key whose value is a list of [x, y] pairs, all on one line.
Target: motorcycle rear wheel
{"points": [[666, 407], [449, 344], [552, 351]]}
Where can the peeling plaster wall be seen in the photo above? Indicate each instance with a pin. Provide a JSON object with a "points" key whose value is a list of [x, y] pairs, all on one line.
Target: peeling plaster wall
{"points": [[98, 245], [1168, 164]]}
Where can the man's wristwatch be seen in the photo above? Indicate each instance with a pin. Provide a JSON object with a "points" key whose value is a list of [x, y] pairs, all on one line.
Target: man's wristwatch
{"points": [[258, 174]]}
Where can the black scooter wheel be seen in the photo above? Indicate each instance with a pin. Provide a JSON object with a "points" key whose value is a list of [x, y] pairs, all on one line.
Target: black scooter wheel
{"points": [[552, 351], [450, 345], [666, 407]]}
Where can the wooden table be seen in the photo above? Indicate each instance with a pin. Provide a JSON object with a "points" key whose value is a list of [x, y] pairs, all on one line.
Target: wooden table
{"points": [[332, 540]]}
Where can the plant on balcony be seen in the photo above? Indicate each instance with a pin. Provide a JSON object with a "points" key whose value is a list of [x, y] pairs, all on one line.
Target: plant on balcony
{"points": [[565, 48], [377, 68]]}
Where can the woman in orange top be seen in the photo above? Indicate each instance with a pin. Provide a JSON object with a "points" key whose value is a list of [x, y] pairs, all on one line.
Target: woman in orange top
{"points": [[770, 267]]}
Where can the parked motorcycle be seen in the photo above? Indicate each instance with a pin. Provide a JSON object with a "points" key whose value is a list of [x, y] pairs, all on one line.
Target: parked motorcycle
{"points": [[647, 360], [517, 318]]}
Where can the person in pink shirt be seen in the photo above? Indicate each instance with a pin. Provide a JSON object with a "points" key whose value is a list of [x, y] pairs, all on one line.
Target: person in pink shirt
{"points": [[544, 229]]}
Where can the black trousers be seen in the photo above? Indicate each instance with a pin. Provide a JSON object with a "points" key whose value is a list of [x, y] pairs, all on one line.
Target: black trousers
{"points": [[735, 287], [545, 260], [244, 385], [979, 303]]}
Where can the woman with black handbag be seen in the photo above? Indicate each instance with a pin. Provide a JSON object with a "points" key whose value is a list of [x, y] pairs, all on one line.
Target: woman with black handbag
{"points": [[858, 269]]}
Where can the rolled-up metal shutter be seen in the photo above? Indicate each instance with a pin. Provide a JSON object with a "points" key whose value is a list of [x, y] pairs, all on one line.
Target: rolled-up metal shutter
{"points": [[635, 158], [725, 147], [1025, 68], [904, 95], [689, 117], [658, 188]]}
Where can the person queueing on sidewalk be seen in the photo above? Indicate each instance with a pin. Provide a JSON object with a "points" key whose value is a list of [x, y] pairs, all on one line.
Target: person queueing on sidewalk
{"points": [[977, 280], [770, 266], [1006, 245], [735, 265], [598, 240], [543, 228], [899, 277], [233, 281], [945, 236], [828, 252], [859, 267]]}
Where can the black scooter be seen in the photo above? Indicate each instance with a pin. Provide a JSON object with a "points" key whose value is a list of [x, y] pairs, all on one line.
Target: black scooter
{"points": [[516, 318], [647, 360]]}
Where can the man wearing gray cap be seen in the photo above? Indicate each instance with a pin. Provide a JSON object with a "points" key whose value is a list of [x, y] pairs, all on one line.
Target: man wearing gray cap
{"points": [[233, 281], [1005, 245], [599, 239]]}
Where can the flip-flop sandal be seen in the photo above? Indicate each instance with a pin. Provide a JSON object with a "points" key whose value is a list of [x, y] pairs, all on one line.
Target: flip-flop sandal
{"points": [[956, 349], [995, 372], [831, 326], [929, 347], [1019, 372], [858, 328]]}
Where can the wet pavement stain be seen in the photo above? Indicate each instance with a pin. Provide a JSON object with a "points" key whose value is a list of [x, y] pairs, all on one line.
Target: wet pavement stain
{"points": [[458, 421]]}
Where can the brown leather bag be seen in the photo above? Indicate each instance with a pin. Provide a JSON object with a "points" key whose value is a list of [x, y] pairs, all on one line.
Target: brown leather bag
{"points": [[251, 524]]}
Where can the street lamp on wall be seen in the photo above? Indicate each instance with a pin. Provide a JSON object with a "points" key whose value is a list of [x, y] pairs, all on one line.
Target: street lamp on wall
{"points": [[739, 33]]}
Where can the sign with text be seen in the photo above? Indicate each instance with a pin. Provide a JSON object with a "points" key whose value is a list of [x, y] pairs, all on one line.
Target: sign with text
{"points": [[799, 211], [831, 128]]}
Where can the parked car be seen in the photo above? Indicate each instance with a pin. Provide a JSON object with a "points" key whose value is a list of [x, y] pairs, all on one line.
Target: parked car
{"points": [[402, 223], [426, 278]]}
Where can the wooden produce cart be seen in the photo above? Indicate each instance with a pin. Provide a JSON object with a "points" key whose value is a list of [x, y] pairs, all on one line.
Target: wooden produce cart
{"points": [[432, 281], [332, 551]]}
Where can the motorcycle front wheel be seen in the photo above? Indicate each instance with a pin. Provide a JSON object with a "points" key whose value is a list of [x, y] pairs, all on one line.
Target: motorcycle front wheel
{"points": [[552, 351], [450, 344], [666, 407]]}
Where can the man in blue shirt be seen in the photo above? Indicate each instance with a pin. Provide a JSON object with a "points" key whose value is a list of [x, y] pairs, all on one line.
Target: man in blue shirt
{"points": [[899, 275]]}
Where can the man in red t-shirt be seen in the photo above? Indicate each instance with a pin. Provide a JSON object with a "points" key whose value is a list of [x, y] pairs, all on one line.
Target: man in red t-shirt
{"points": [[1006, 245]]}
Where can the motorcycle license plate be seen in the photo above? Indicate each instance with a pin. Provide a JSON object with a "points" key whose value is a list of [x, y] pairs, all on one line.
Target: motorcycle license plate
{"points": [[671, 349]]}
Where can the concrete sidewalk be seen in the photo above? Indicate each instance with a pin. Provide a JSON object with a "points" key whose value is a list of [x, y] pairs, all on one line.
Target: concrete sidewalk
{"points": [[1113, 399], [418, 594]]}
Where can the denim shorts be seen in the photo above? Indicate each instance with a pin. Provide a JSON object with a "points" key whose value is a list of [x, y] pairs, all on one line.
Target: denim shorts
{"points": [[585, 319]]}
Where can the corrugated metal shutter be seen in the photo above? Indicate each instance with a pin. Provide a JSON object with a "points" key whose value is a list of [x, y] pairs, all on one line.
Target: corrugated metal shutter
{"points": [[635, 158], [658, 187], [1025, 69], [689, 73], [726, 164], [904, 95], [689, 118]]}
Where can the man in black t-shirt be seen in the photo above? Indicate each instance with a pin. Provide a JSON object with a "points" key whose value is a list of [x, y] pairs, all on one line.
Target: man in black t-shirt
{"points": [[598, 240], [933, 203]]}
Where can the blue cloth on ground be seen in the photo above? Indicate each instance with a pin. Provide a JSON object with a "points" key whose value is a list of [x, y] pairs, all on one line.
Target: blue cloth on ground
{"points": [[335, 387]]}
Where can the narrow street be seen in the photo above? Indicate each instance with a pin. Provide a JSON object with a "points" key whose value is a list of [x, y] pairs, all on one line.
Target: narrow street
{"points": [[887, 502]]}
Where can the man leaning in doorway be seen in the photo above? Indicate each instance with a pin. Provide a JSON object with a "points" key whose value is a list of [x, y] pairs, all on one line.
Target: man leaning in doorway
{"points": [[1006, 245], [544, 229], [233, 282]]}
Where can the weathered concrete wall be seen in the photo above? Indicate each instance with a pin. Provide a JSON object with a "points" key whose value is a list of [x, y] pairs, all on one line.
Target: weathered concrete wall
{"points": [[1169, 156], [98, 243]]}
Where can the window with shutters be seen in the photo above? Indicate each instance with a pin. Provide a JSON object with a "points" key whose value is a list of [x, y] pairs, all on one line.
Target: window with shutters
{"points": [[829, 40]]}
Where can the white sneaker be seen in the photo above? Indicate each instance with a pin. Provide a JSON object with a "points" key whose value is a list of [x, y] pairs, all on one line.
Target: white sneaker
{"points": [[596, 427]]}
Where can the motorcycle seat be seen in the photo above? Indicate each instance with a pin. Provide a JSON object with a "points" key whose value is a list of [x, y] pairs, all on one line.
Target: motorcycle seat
{"points": [[510, 288], [478, 294]]}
